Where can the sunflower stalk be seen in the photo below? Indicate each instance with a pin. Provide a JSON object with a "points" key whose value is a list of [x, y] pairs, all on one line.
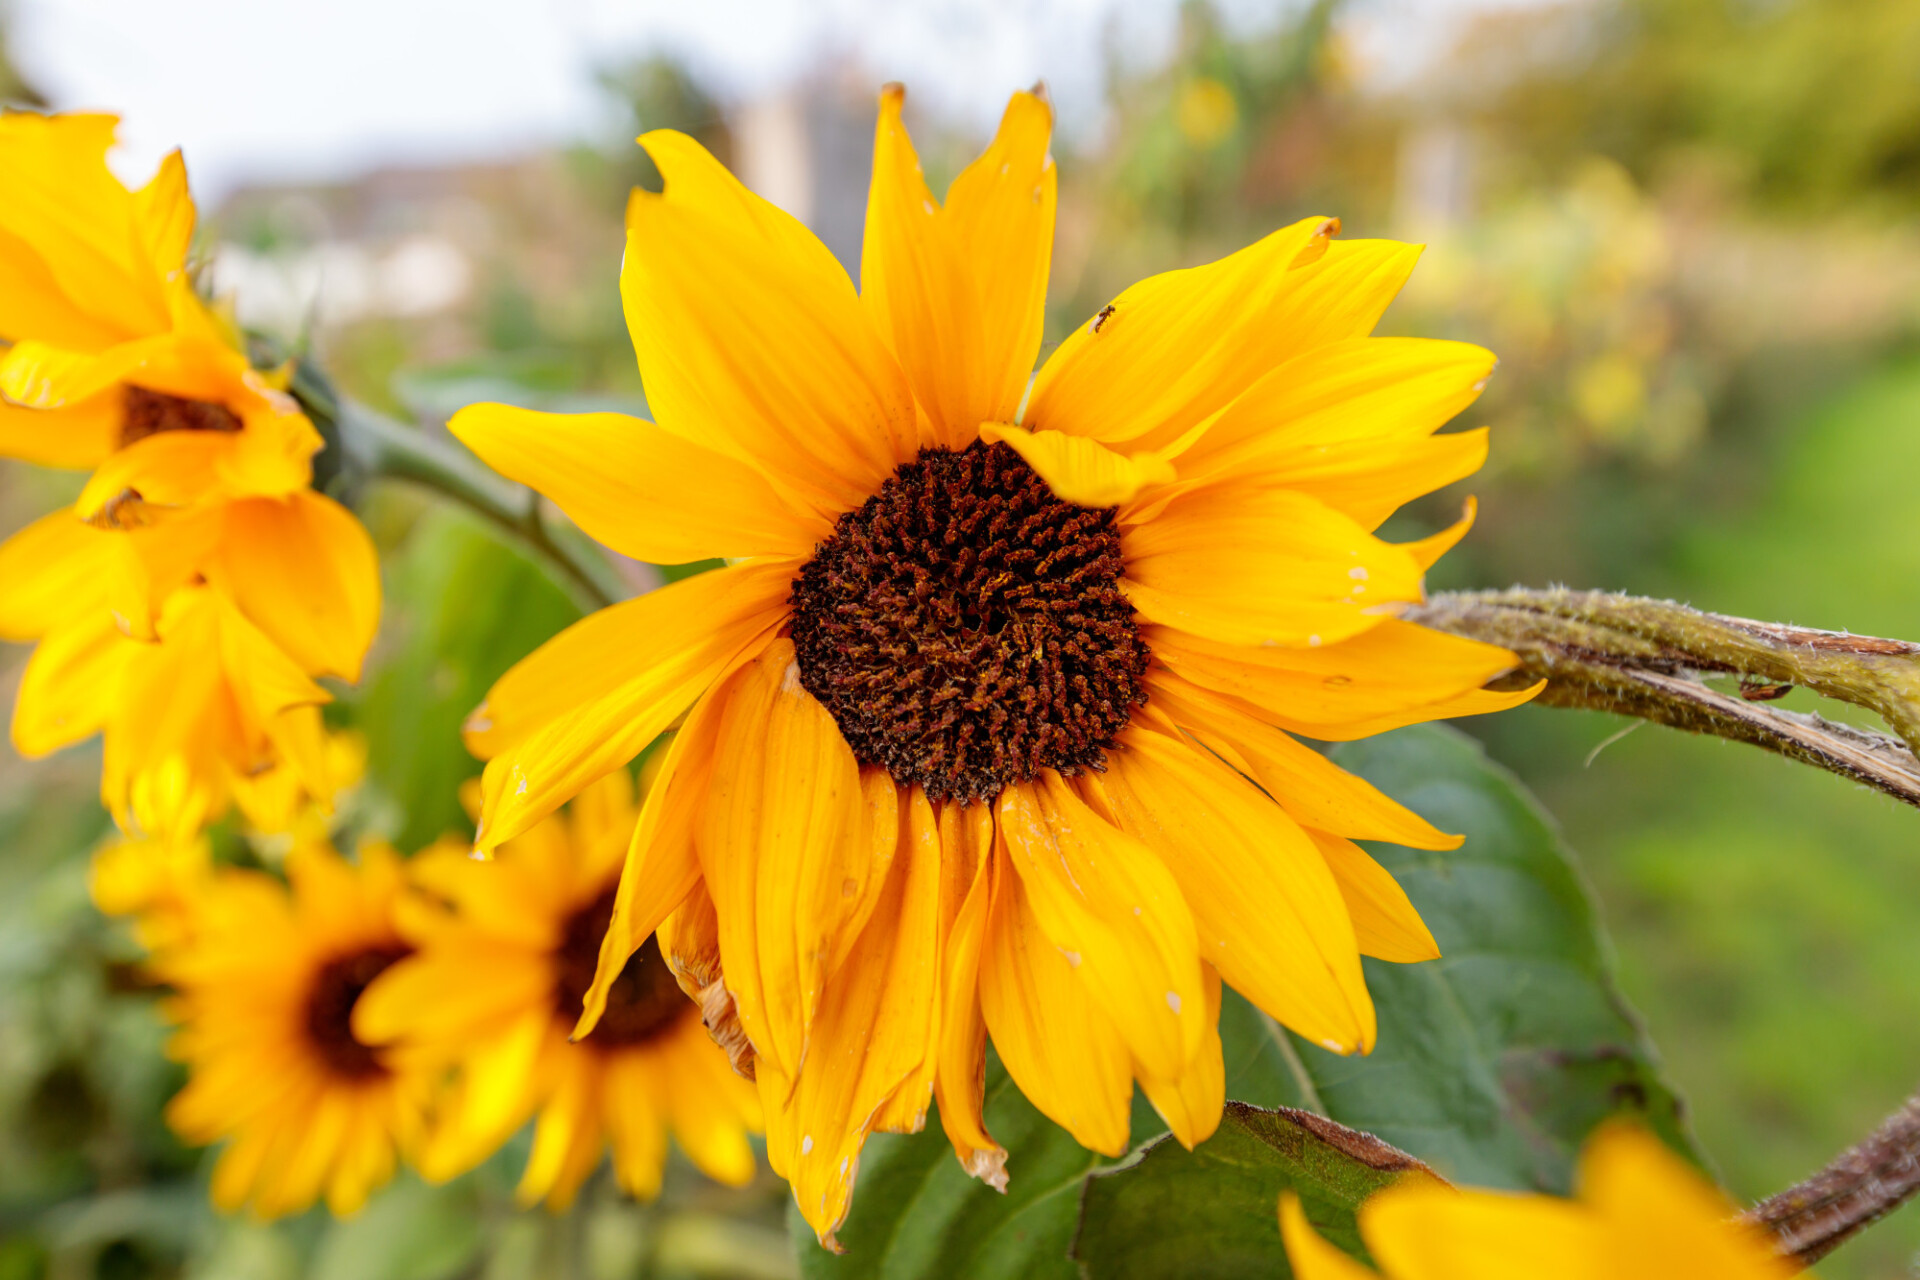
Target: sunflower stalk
{"points": [[375, 445], [1861, 1186], [1646, 658]]}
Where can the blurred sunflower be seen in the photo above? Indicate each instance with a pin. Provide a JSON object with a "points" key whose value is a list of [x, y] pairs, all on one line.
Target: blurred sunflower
{"points": [[110, 360], [267, 986], [113, 361], [987, 728], [1640, 1215], [494, 988]]}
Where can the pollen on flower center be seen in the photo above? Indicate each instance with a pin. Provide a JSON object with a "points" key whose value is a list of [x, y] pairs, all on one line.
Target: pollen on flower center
{"points": [[643, 1001], [966, 628], [148, 413], [336, 989]]}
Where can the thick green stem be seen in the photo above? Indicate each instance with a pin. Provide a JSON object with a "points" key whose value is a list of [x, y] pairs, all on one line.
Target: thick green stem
{"points": [[1643, 658], [374, 445]]}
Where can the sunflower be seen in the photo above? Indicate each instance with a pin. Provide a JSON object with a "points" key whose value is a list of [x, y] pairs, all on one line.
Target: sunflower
{"points": [[494, 988], [267, 986], [986, 729], [110, 360], [1640, 1215]]}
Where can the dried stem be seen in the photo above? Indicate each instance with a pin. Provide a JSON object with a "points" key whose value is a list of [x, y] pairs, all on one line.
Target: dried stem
{"points": [[1643, 658], [1861, 1186]]}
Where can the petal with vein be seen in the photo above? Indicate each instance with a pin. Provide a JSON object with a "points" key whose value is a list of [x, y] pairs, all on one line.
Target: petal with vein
{"points": [[751, 339], [1079, 469], [637, 487], [1262, 566], [1269, 913], [1111, 908]]}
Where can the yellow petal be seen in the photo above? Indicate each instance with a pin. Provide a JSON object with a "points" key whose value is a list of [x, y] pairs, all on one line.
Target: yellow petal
{"points": [[875, 1029], [1269, 914], [1430, 1232], [1111, 908], [1345, 422], [751, 339], [1427, 551], [78, 437], [1385, 925], [663, 867], [1057, 1045], [305, 571], [1191, 1104], [638, 488], [1312, 1257], [966, 841], [71, 685], [1317, 792], [1395, 673], [1001, 208], [1176, 348], [164, 215], [54, 569], [1662, 1217], [590, 699], [777, 848], [64, 202], [958, 293], [1081, 470], [709, 1107], [1260, 566]]}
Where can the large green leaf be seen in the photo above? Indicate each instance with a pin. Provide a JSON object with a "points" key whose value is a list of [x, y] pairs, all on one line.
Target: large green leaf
{"points": [[1495, 1061], [1211, 1212], [1492, 1065]]}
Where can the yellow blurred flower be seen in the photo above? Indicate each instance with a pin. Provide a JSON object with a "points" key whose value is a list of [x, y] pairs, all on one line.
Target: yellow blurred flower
{"points": [[267, 986], [1640, 1215], [494, 989], [985, 727], [114, 362], [1206, 111], [202, 581]]}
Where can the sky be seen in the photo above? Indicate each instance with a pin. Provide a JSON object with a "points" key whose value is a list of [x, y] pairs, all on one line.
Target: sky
{"points": [[289, 89]]}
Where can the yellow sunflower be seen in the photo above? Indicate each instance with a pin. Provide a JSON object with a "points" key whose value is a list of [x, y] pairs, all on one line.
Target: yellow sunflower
{"points": [[267, 985], [986, 729], [1640, 1215], [110, 360], [494, 988]]}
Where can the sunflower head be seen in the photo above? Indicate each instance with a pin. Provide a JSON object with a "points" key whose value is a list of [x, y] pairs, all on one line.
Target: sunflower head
{"points": [[268, 981], [987, 730], [968, 629], [504, 953]]}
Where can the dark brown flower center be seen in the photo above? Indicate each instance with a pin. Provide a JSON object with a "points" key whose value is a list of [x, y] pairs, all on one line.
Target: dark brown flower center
{"points": [[642, 1002], [336, 989], [148, 413], [966, 628]]}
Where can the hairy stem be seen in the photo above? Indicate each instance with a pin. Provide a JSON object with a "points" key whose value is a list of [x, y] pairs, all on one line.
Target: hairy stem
{"points": [[1644, 658], [1861, 1186], [374, 445]]}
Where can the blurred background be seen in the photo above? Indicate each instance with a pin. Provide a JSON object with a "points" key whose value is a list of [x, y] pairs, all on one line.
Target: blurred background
{"points": [[1688, 227]]}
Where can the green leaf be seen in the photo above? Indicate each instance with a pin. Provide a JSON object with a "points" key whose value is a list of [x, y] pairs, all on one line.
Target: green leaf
{"points": [[1213, 1211], [1494, 1062], [410, 1231], [464, 607]]}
